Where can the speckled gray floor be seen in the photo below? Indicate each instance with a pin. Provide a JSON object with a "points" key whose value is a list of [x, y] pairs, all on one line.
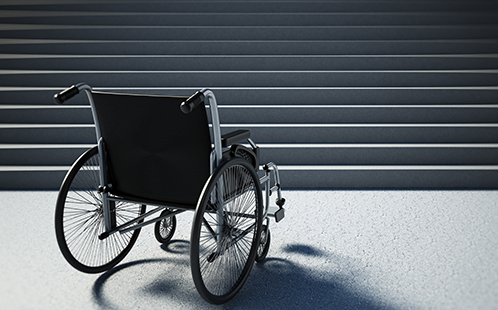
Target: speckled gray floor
{"points": [[334, 250]]}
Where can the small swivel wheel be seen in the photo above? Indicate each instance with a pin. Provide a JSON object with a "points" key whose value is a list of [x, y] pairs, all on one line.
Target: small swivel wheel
{"points": [[264, 244], [165, 228]]}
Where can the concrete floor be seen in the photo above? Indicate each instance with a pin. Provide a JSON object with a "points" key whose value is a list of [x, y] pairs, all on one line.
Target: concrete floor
{"points": [[334, 250]]}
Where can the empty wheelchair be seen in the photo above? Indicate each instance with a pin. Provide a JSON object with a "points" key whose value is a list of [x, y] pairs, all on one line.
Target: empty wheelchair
{"points": [[162, 152]]}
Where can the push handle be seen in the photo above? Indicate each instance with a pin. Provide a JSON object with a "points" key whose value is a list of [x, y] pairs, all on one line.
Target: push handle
{"points": [[193, 101], [66, 94]]}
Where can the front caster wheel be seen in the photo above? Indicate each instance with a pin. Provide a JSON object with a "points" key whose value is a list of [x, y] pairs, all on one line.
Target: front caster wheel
{"points": [[264, 244], [165, 228]]}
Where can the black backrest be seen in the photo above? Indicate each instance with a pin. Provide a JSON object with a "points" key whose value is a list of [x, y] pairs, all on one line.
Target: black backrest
{"points": [[155, 152]]}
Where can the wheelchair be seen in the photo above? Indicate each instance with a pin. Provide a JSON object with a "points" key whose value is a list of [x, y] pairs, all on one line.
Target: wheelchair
{"points": [[167, 153]]}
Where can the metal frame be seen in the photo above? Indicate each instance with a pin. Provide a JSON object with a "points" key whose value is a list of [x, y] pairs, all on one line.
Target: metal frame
{"points": [[215, 122], [216, 157]]}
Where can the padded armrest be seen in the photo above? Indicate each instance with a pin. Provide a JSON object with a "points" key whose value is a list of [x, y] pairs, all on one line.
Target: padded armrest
{"points": [[234, 137]]}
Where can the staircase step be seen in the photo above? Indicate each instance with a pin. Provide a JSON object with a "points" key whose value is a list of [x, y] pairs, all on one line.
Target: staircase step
{"points": [[247, 63], [369, 133], [380, 154], [279, 114], [417, 78], [52, 114], [281, 133], [260, 7], [41, 154], [337, 177], [32, 177], [319, 18], [358, 114], [255, 47], [47, 133], [289, 154], [246, 33], [276, 95], [399, 177]]}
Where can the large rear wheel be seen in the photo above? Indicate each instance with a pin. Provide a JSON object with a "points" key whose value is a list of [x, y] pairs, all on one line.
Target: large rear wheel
{"points": [[79, 219], [226, 231]]}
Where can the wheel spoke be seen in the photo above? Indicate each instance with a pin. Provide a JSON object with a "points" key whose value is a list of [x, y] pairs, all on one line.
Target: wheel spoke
{"points": [[165, 228], [80, 219], [227, 238]]}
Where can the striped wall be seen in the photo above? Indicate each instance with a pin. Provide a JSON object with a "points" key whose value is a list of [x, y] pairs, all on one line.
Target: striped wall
{"points": [[340, 94]]}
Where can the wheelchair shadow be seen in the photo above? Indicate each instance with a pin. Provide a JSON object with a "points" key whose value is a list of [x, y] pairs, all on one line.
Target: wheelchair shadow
{"points": [[274, 284], [283, 284]]}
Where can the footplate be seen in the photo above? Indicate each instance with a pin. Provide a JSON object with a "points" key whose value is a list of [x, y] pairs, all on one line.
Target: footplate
{"points": [[276, 212]]}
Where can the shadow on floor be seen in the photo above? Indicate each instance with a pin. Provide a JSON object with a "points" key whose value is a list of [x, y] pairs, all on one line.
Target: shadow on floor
{"points": [[274, 284]]}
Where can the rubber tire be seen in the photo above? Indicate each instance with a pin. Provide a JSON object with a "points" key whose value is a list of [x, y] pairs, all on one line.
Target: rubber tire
{"points": [[263, 248], [157, 229], [86, 165], [205, 286]]}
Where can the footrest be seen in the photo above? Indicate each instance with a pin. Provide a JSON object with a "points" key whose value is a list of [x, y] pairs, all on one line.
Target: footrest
{"points": [[276, 212]]}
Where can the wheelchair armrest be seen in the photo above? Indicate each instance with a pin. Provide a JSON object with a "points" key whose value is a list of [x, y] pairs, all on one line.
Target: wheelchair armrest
{"points": [[234, 137]]}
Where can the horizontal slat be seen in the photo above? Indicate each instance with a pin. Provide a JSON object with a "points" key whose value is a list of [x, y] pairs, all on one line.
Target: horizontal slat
{"points": [[48, 134], [253, 78], [278, 95], [370, 133], [296, 168], [66, 114], [41, 154], [346, 177], [322, 18], [247, 62], [256, 47], [289, 154], [263, 6], [129, 33], [342, 114], [283, 133], [243, 114], [372, 154]]}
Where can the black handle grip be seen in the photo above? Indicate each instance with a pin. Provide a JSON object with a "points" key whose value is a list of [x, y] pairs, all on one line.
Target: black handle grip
{"points": [[193, 101], [66, 94]]}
